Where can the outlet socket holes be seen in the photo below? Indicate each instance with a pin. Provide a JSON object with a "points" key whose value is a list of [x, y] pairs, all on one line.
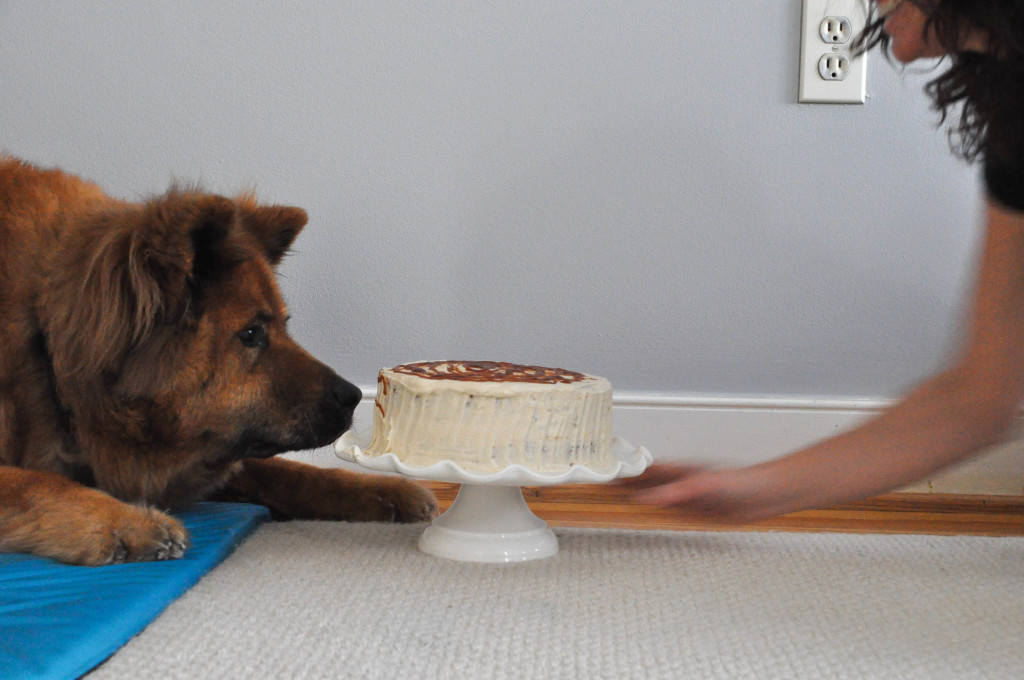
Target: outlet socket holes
{"points": [[834, 67], [836, 30]]}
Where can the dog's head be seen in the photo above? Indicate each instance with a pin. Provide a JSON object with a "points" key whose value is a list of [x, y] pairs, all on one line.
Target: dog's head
{"points": [[167, 334]]}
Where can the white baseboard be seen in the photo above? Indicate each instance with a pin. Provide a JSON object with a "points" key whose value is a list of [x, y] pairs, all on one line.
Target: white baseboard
{"points": [[734, 431]]}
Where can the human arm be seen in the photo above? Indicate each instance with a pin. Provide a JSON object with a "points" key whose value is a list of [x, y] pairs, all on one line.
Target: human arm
{"points": [[946, 420]]}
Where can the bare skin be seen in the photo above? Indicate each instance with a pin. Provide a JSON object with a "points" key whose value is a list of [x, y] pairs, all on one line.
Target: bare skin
{"points": [[905, 25], [946, 420]]}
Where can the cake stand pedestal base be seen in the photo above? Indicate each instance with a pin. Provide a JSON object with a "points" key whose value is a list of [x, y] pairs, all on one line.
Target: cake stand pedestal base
{"points": [[489, 520], [487, 523]]}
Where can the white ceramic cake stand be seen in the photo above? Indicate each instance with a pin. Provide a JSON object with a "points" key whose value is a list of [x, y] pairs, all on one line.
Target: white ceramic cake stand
{"points": [[489, 521]]}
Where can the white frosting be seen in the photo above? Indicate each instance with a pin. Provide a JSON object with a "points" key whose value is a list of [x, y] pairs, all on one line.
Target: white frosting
{"points": [[487, 426]]}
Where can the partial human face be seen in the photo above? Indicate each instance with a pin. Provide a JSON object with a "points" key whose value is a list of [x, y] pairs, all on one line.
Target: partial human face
{"points": [[904, 24]]}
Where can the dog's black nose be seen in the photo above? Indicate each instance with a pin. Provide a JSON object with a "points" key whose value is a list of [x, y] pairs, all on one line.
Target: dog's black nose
{"points": [[345, 393]]}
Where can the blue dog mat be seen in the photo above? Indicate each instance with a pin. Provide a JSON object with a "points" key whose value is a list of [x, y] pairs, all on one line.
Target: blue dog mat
{"points": [[60, 621]]}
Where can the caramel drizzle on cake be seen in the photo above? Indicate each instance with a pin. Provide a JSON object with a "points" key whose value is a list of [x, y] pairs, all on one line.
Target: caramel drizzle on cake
{"points": [[488, 371], [382, 391]]}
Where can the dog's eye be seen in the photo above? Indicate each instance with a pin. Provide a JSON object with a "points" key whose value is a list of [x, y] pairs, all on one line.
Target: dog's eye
{"points": [[253, 336]]}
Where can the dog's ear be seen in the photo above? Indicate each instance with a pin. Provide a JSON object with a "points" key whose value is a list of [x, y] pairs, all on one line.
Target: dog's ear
{"points": [[181, 247], [119, 274], [275, 227]]}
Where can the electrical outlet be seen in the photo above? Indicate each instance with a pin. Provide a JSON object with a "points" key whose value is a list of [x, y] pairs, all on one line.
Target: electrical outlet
{"points": [[828, 74], [834, 67], [836, 30]]}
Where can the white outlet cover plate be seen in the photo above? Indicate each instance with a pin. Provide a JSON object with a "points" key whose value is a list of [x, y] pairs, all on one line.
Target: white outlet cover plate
{"points": [[813, 88]]}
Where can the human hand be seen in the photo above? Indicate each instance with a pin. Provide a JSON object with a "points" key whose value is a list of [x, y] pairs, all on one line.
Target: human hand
{"points": [[731, 495]]}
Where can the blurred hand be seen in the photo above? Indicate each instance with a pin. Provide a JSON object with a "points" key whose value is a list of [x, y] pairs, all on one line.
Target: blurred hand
{"points": [[732, 495]]}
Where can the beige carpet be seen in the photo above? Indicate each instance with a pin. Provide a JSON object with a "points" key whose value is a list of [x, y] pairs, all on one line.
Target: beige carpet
{"points": [[322, 600]]}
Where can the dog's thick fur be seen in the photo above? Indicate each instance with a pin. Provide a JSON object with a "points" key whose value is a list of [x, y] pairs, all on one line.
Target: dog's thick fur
{"points": [[145, 365]]}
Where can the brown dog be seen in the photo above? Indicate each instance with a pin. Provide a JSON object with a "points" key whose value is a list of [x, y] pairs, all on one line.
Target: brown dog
{"points": [[144, 364]]}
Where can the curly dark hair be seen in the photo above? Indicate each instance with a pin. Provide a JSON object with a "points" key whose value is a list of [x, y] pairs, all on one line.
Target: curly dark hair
{"points": [[989, 86]]}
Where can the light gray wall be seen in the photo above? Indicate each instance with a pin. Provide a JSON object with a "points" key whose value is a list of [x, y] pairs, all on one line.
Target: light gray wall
{"points": [[627, 188]]}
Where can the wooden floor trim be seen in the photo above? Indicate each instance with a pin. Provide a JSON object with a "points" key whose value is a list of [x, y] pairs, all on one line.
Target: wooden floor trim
{"points": [[606, 506]]}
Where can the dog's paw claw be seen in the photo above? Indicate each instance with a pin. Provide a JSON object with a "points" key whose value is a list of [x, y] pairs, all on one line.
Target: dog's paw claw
{"points": [[146, 535], [119, 553], [175, 550]]}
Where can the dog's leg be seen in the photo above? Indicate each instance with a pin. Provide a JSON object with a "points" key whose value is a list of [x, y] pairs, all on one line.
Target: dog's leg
{"points": [[295, 490], [45, 514]]}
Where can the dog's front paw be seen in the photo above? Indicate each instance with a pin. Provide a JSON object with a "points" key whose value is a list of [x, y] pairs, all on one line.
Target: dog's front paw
{"points": [[411, 502], [141, 535], [74, 524], [294, 490], [393, 499]]}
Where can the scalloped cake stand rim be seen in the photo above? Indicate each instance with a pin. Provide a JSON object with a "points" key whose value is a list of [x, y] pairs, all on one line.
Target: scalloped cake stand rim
{"points": [[489, 520]]}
